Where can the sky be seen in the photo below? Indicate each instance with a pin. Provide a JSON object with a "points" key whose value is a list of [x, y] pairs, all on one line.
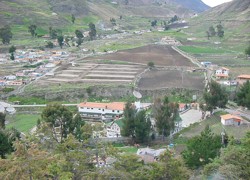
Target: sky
{"points": [[213, 3]]}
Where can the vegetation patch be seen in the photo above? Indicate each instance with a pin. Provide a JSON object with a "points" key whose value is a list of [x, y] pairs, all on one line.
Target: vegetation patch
{"points": [[201, 50], [23, 122]]}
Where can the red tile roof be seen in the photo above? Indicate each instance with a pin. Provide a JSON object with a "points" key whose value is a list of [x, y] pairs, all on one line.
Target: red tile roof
{"points": [[230, 116], [222, 75], [112, 106], [244, 76]]}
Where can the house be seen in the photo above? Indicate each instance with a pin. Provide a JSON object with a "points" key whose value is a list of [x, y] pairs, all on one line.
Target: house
{"points": [[101, 111], [222, 70], [10, 77], [149, 155], [241, 79], [114, 128], [230, 119], [222, 73]]}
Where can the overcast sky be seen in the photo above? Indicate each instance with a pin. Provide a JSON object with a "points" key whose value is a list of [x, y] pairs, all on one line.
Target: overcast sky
{"points": [[213, 3]]}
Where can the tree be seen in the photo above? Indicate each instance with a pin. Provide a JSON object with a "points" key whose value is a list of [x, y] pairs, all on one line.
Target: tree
{"points": [[79, 132], [92, 31], [212, 31], [151, 64], [243, 95], [129, 122], [60, 120], [12, 57], [49, 45], [73, 18], [142, 127], [113, 21], [7, 137], [2, 120], [208, 35], [32, 30], [79, 34], [154, 23], [173, 19], [165, 114], [220, 31], [6, 34], [60, 41], [247, 50], [200, 149], [53, 33], [215, 96], [233, 163], [12, 49]]}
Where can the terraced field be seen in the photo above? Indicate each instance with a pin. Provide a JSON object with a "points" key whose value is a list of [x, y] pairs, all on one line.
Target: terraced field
{"points": [[96, 73]]}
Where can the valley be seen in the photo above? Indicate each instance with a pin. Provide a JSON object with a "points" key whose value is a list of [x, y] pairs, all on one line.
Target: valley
{"points": [[124, 89]]}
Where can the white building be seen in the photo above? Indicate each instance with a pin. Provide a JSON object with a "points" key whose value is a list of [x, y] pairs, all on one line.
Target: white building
{"points": [[230, 119], [222, 70], [114, 128], [103, 111]]}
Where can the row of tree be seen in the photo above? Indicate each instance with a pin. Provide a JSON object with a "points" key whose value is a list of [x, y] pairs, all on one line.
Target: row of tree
{"points": [[212, 32]]}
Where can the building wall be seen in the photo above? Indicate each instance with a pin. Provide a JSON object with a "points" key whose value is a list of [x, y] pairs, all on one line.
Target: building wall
{"points": [[113, 131]]}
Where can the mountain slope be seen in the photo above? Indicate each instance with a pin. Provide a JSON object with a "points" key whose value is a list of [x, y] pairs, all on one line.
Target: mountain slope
{"points": [[195, 5]]}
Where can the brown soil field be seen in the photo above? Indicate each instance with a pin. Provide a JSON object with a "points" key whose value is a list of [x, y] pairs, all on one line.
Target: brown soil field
{"points": [[158, 79], [159, 54]]}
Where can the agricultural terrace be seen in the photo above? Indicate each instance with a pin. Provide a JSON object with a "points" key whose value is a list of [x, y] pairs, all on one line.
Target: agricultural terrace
{"points": [[160, 55], [95, 73]]}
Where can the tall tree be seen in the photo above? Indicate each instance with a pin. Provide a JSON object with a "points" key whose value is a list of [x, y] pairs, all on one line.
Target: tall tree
{"points": [[92, 31], [215, 96], [165, 114], [243, 95], [78, 34], [32, 30], [142, 127], [60, 120], [129, 120], [12, 50], [220, 31], [2, 120], [212, 31], [53, 33], [60, 41], [200, 149], [6, 34], [247, 50], [73, 18]]}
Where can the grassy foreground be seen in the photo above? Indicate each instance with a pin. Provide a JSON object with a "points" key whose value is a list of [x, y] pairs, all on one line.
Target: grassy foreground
{"points": [[23, 122]]}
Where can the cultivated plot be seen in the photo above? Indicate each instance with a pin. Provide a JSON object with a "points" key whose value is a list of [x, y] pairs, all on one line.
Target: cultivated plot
{"points": [[159, 54], [158, 79]]}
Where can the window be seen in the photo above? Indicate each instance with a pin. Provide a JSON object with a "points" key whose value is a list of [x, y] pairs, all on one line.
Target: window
{"points": [[113, 110], [87, 108], [91, 108], [102, 109], [118, 111]]}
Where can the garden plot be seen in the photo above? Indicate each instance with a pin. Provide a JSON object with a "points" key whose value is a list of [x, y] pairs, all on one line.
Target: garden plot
{"points": [[161, 79], [159, 54], [96, 73]]}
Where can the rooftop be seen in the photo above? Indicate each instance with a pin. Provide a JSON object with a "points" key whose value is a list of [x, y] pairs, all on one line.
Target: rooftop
{"points": [[244, 76], [111, 106], [229, 116]]}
